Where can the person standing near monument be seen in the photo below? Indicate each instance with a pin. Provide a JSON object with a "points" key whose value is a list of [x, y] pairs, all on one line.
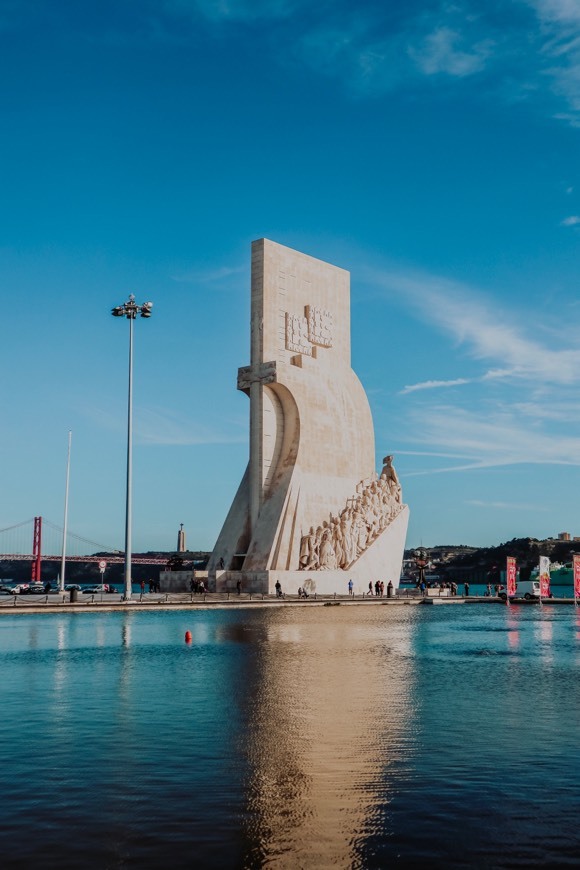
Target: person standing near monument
{"points": [[239, 587], [350, 586]]}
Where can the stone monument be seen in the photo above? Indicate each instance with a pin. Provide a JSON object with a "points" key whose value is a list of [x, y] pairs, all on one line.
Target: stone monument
{"points": [[311, 511]]}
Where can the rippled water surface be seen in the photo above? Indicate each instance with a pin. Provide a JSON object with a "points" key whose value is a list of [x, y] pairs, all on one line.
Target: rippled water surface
{"points": [[298, 737]]}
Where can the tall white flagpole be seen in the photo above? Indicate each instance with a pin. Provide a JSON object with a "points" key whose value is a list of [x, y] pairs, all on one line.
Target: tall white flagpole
{"points": [[65, 523]]}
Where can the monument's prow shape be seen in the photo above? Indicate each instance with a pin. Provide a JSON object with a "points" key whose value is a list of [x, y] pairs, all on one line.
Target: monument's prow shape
{"points": [[310, 510]]}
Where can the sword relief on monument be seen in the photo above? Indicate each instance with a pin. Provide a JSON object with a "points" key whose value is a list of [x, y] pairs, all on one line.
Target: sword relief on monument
{"points": [[314, 327], [339, 541]]}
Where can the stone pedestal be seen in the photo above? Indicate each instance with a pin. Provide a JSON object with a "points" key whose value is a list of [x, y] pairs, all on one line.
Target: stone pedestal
{"points": [[175, 581], [382, 561]]}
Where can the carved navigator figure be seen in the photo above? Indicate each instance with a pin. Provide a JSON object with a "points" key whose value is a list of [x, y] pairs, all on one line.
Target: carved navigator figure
{"points": [[376, 506], [310, 499]]}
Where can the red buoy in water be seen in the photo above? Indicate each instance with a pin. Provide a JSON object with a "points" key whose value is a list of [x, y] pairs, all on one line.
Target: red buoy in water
{"points": [[188, 637]]}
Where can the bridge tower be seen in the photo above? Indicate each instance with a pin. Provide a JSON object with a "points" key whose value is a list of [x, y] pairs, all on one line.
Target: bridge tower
{"points": [[36, 549]]}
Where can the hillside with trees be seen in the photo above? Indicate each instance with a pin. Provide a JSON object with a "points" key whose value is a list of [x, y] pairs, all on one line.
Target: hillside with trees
{"points": [[484, 564]]}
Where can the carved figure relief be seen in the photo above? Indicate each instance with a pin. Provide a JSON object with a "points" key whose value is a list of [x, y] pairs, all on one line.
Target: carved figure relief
{"points": [[341, 540], [309, 547], [390, 475]]}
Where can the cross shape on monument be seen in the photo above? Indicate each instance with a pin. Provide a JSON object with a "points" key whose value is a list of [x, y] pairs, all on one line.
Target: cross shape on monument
{"points": [[251, 380], [257, 373]]}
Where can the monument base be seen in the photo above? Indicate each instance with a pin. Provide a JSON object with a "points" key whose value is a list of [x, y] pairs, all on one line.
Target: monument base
{"points": [[382, 560], [175, 581]]}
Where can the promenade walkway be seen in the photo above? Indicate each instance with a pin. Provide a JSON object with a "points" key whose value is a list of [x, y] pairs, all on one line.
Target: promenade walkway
{"points": [[59, 602]]}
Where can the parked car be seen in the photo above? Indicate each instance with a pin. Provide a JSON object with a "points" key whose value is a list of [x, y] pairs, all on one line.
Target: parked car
{"points": [[5, 590], [36, 589], [20, 589], [97, 589], [70, 586], [528, 589]]}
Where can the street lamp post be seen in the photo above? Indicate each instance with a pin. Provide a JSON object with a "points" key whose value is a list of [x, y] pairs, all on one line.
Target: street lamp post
{"points": [[130, 309]]}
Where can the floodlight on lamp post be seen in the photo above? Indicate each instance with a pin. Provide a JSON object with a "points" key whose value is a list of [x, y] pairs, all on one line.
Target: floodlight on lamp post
{"points": [[130, 310]]}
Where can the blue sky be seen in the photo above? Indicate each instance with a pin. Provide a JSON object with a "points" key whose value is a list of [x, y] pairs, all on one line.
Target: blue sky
{"points": [[430, 148]]}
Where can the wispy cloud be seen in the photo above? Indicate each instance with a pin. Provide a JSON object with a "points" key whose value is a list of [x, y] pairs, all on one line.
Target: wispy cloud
{"points": [[494, 429], [560, 51], [443, 51], [432, 385], [492, 437], [525, 49], [235, 10], [508, 506], [486, 332], [493, 374], [559, 11], [201, 276], [570, 221], [162, 427], [497, 374]]}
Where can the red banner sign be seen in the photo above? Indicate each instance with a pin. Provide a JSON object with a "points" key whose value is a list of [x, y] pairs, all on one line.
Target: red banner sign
{"points": [[510, 576], [576, 576]]}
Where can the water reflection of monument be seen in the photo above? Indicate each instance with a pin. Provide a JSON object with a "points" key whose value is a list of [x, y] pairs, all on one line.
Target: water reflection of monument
{"points": [[329, 733], [311, 510]]}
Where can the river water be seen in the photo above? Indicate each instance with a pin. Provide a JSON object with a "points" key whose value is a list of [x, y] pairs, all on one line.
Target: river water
{"points": [[291, 737]]}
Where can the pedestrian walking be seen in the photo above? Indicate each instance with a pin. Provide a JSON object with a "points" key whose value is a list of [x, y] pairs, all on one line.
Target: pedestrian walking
{"points": [[350, 587]]}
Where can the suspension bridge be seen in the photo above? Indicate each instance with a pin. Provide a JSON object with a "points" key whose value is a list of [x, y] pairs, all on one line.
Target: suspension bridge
{"points": [[16, 540]]}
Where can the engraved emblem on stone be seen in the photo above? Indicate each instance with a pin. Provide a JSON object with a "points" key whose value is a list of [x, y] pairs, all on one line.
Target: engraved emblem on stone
{"points": [[297, 334], [319, 326]]}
